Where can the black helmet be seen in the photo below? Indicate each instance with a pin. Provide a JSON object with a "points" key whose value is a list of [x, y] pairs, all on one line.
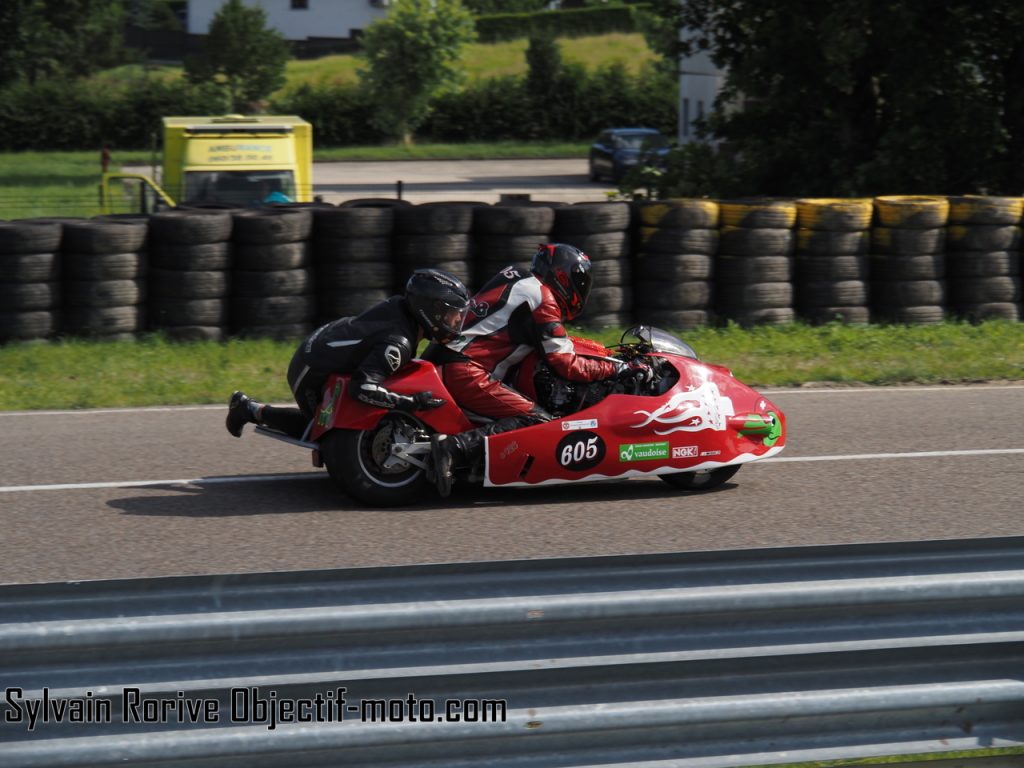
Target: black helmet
{"points": [[566, 271], [439, 302]]}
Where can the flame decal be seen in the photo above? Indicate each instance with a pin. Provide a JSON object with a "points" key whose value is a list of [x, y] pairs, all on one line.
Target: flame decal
{"points": [[693, 411]]}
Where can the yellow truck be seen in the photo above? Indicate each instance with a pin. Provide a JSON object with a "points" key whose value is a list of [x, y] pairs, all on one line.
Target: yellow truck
{"points": [[234, 160]]}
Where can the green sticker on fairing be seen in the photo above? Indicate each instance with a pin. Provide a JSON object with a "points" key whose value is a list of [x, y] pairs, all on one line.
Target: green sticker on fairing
{"points": [[324, 419], [770, 426], [643, 451]]}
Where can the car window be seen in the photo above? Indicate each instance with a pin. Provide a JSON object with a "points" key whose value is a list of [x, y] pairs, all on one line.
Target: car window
{"points": [[640, 141]]}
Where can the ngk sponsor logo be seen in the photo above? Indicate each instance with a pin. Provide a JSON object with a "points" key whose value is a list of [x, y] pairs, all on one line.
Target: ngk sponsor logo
{"points": [[684, 451]]}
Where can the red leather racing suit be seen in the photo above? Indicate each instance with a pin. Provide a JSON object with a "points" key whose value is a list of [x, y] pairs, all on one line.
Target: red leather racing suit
{"points": [[512, 315]]}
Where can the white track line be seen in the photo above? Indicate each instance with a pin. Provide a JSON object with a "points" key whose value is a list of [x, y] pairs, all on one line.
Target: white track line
{"points": [[321, 475], [145, 483], [106, 411], [908, 455], [958, 388]]}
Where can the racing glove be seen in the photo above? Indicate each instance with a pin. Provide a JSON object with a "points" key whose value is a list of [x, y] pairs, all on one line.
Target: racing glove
{"points": [[636, 371], [380, 397], [421, 401]]}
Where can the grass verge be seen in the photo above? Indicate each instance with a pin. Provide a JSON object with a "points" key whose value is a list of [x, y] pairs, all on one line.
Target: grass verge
{"points": [[153, 371]]}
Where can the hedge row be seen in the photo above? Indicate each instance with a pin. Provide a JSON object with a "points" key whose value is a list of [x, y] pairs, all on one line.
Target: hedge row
{"points": [[573, 22], [65, 116]]}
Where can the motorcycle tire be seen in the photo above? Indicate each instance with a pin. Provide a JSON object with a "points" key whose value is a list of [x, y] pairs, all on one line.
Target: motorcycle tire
{"points": [[701, 481], [348, 455]]}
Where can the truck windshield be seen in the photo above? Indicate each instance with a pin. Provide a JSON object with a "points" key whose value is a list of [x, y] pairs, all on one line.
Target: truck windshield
{"points": [[239, 187]]}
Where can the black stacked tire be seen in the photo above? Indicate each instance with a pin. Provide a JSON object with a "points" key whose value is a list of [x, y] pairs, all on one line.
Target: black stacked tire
{"points": [[352, 259], [272, 282], [831, 267], [190, 273], [754, 266], [434, 236], [105, 266], [30, 288], [908, 263], [983, 257], [674, 265], [601, 230], [508, 233]]}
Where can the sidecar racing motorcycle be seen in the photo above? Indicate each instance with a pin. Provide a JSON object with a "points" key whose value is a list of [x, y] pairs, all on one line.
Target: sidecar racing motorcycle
{"points": [[693, 425]]}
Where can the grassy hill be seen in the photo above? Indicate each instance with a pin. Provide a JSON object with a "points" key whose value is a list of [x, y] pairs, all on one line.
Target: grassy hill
{"points": [[481, 61]]}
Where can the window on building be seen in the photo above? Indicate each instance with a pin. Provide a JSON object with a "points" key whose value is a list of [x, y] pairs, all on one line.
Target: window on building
{"points": [[300, 5], [686, 117]]}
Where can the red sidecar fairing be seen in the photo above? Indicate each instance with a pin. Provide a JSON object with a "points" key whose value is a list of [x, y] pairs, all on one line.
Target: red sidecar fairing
{"points": [[707, 420], [417, 376]]}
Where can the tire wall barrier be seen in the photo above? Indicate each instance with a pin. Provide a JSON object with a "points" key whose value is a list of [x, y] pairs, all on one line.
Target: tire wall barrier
{"points": [[208, 273]]}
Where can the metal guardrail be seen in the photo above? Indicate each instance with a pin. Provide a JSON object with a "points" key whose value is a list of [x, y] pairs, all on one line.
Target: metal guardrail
{"points": [[698, 659]]}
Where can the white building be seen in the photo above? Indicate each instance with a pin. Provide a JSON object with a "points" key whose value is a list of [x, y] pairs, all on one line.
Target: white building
{"points": [[299, 19], [699, 83]]}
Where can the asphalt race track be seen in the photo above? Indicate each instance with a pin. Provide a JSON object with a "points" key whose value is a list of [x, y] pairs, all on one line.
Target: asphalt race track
{"points": [[95, 494]]}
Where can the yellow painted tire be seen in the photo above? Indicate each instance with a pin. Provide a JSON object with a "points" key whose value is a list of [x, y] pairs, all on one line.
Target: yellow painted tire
{"points": [[977, 209], [920, 212], [842, 215], [758, 213], [680, 213]]}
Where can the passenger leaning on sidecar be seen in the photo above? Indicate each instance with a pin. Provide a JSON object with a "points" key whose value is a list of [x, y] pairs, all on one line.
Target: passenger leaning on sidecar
{"points": [[514, 314], [371, 346]]}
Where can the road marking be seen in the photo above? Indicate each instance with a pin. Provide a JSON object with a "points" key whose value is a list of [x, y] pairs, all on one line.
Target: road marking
{"points": [[958, 388], [908, 455], [105, 411], [322, 476], [145, 483]]}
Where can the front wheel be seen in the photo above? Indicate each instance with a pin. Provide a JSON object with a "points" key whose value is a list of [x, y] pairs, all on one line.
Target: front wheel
{"points": [[704, 480], [362, 464]]}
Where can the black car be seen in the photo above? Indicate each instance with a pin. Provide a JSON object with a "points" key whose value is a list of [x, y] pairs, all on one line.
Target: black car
{"points": [[617, 150]]}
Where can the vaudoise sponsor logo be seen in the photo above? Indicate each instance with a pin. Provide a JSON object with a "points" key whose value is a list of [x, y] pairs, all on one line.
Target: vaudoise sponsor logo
{"points": [[643, 451]]}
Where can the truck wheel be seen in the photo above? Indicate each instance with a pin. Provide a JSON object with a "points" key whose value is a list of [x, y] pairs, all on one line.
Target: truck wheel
{"points": [[704, 480], [361, 464]]}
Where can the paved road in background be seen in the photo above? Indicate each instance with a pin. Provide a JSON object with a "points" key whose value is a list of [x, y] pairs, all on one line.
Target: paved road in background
{"points": [[262, 507], [477, 180], [425, 181]]}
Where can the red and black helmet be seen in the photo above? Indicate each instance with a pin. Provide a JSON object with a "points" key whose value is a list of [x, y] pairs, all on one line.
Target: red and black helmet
{"points": [[564, 269]]}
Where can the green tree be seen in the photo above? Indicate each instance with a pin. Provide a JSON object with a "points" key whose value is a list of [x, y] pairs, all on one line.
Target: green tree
{"points": [[412, 57], [58, 38], [241, 55], [543, 76], [853, 96]]}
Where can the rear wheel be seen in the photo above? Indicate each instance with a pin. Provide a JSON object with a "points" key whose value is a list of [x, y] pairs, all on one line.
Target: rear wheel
{"points": [[361, 463], [703, 480]]}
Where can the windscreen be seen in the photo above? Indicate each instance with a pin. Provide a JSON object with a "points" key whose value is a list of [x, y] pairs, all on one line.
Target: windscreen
{"points": [[658, 340], [243, 188], [642, 141]]}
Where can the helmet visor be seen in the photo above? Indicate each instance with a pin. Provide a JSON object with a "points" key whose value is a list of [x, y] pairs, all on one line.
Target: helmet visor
{"points": [[449, 320], [581, 284]]}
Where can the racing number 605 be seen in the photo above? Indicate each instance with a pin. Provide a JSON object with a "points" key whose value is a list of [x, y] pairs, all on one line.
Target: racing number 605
{"points": [[575, 453], [579, 451]]}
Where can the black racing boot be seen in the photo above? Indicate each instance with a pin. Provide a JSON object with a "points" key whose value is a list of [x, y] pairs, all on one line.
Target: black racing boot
{"points": [[445, 453], [242, 410]]}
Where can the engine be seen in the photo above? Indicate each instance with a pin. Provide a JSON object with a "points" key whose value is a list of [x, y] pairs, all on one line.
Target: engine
{"points": [[560, 397]]}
